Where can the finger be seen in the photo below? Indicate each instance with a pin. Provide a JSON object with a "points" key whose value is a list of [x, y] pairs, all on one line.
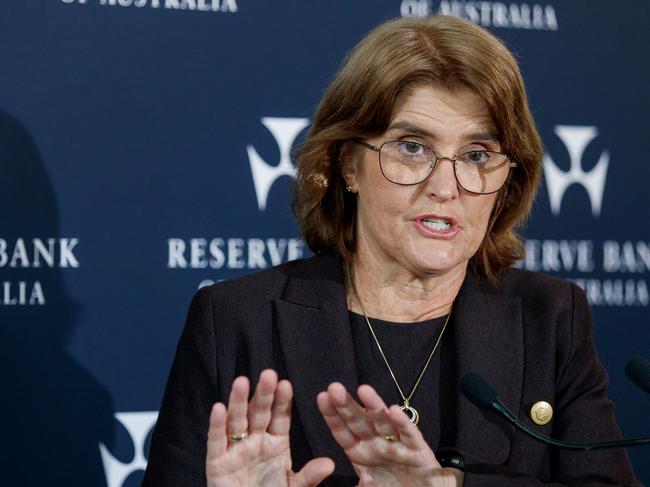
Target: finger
{"points": [[409, 434], [237, 421], [313, 473], [259, 410], [352, 413], [217, 440], [377, 411], [339, 428], [281, 412]]}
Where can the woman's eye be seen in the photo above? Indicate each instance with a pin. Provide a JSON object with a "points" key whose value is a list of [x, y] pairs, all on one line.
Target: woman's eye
{"points": [[411, 148], [476, 156]]}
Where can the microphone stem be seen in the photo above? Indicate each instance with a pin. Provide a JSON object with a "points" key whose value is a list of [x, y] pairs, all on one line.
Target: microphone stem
{"points": [[500, 407]]}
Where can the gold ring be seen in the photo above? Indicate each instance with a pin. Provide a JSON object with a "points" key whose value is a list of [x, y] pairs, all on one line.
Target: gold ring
{"points": [[394, 437], [238, 437]]}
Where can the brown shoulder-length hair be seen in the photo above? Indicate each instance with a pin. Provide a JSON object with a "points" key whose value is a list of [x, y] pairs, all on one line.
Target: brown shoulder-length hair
{"points": [[440, 51]]}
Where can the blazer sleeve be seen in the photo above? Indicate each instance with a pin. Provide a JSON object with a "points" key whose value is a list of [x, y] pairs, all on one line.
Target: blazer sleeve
{"points": [[583, 413], [178, 446]]}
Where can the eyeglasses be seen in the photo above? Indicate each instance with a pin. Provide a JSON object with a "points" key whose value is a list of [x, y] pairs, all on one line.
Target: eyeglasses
{"points": [[408, 163]]}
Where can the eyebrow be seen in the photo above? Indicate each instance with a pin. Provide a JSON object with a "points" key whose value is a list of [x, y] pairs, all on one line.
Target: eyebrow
{"points": [[415, 130], [409, 127]]}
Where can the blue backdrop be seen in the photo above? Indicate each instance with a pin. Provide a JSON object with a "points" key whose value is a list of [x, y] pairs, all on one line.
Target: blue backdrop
{"points": [[145, 151]]}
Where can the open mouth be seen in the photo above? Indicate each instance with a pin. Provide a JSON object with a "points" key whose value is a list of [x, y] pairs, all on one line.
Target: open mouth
{"points": [[436, 224]]}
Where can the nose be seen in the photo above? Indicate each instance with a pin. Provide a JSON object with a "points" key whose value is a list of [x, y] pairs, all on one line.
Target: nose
{"points": [[442, 183]]}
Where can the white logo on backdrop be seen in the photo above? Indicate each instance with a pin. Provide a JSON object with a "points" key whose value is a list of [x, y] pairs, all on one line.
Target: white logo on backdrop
{"points": [[197, 5], [576, 139], [138, 425], [512, 15], [33, 253], [285, 131]]}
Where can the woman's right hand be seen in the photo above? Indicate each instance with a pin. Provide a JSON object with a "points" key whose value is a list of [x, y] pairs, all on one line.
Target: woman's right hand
{"points": [[263, 457]]}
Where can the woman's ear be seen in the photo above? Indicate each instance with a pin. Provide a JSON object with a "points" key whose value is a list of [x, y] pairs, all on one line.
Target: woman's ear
{"points": [[349, 167], [350, 177]]}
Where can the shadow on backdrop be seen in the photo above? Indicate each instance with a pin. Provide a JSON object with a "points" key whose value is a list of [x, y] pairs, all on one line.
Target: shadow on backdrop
{"points": [[54, 412]]}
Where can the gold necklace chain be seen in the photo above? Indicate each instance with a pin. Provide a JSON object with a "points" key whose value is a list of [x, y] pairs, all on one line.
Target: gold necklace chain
{"points": [[413, 414]]}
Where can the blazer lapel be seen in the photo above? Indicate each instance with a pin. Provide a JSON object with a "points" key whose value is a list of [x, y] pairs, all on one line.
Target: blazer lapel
{"points": [[488, 334], [317, 346]]}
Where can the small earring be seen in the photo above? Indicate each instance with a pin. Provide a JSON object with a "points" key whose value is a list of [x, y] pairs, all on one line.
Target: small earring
{"points": [[348, 189]]}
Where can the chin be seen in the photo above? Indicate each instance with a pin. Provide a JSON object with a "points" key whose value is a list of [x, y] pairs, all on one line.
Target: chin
{"points": [[433, 266], [436, 264]]}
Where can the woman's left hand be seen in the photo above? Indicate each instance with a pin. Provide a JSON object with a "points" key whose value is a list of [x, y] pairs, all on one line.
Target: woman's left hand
{"points": [[365, 436]]}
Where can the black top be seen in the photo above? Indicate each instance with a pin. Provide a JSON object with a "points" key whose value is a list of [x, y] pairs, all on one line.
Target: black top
{"points": [[407, 347]]}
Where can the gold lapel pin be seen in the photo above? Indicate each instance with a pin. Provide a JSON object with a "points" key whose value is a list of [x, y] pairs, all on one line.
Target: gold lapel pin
{"points": [[541, 413]]}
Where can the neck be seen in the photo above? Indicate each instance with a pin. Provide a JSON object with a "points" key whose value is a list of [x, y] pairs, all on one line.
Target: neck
{"points": [[399, 294]]}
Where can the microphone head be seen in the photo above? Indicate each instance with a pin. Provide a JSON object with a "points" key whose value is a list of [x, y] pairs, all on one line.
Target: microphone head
{"points": [[638, 371], [477, 390]]}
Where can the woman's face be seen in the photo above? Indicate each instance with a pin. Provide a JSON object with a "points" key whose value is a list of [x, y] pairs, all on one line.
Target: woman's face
{"points": [[434, 227]]}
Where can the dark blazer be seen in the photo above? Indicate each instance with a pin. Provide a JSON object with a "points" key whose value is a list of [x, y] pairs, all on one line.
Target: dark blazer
{"points": [[530, 338]]}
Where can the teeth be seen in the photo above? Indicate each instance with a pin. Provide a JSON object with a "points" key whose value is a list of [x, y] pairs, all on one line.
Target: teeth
{"points": [[437, 224]]}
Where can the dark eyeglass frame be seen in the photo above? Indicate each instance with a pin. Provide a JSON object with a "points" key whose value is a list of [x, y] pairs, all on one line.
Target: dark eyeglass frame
{"points": [[511, 164]]}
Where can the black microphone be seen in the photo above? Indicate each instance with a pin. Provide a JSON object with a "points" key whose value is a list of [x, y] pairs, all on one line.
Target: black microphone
{"points": [[638, 371], [483, 395]]}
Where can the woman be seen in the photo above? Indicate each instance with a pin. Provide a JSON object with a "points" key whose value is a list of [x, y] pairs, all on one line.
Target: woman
{"points": [[422, 160]]}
